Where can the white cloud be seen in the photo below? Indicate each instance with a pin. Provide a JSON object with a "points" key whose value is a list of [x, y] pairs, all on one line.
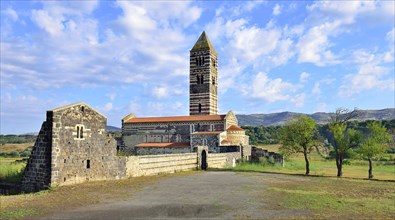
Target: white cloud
{"points": [[106, 108], [298, 100], [303, 76], [11, 13], [160, 92], [371, 74], [271, 90], [316, 89], [276, 10], [312, 46], [321, 107]]}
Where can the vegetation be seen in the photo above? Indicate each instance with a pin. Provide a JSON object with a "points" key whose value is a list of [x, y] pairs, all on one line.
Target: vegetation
{"points": [[262, 134], [11, 169], [321, 166], [343, 139], [375, 144], [17, 139], [299, 135]]}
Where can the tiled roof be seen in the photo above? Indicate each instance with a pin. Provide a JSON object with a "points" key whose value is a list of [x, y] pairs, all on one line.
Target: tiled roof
{"points": [[177, 119], [208, 132], [225, 141], [171, 144], [235, 128]]}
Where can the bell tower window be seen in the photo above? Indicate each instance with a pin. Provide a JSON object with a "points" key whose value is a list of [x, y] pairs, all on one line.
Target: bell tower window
{"points": [[200, 108]]}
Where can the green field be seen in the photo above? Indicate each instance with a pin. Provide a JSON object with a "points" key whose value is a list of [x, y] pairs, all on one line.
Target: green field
{"points": [[322, 167], [10, 170]]}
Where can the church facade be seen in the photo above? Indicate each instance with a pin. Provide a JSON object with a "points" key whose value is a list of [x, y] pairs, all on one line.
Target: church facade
{"points": [[203, 127]]}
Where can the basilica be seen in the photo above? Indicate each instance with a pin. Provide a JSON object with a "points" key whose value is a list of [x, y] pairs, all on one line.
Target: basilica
{"points": [[203, 127]]}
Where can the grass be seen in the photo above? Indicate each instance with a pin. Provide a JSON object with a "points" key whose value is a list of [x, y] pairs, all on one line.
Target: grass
{"points": [[11, 171], [4, 148], [320, 166], [335, 198]]}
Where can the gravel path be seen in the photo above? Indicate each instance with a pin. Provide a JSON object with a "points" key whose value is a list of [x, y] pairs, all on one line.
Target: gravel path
{"points": [[212, 195]]}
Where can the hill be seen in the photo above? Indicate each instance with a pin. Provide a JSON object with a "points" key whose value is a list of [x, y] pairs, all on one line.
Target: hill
{"points": [[319, 117], [113, 129]]}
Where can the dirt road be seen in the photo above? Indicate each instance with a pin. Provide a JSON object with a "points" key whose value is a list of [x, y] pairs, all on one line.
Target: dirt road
{"points": [[213, 195]]}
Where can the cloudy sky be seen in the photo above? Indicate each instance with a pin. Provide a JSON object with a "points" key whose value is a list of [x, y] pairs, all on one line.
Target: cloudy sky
{"points": [[125, 57]]}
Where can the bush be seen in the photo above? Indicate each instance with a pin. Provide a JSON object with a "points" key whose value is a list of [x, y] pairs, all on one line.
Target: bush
{"points": [[14, 154]]}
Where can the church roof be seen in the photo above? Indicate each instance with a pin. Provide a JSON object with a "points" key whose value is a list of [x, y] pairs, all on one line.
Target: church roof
{"points": [[208, 132], [190, 118], [170, 144], [235, 128], [203, 43]]}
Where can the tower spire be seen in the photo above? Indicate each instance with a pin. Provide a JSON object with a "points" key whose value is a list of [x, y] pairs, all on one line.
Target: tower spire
{"points": [[203, 78], [203, 43]]}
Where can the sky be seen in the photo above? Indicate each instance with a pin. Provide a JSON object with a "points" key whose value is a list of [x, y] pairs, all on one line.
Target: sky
{"points": [[123, 57]]}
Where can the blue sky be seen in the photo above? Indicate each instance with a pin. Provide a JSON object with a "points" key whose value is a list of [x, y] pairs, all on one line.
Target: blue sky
{"points": [[125, 57]]}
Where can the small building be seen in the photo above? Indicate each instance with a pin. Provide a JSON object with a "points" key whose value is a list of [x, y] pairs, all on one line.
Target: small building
{"points": [[72, 147]]}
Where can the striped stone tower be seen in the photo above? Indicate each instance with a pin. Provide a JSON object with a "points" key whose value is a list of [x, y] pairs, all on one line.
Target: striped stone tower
{"points": [[203, 78]]}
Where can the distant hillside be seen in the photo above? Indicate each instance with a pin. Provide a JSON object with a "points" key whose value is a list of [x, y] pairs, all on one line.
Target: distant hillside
{"points": [[319, 117], [113, 129]]}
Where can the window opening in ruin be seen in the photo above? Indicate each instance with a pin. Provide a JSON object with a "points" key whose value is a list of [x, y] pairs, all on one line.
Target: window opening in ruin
{"points": [[201, 79], [200, 108], [82, 108], [213, 79], [82, 132], [64, 160], [64, 179], [78, 131], [197, 79], [88, 164], [202, 61]]}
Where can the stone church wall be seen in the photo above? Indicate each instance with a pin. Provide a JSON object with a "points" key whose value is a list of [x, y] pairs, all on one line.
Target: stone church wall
{"points": [[136, 133]]}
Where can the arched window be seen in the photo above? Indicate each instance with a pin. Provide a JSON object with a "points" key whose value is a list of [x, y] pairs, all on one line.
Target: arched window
{"points": [[200, 108]]}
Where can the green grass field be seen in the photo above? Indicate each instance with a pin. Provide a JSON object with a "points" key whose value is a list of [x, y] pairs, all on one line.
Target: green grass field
{"points": [[10, 171], [321, 167]]}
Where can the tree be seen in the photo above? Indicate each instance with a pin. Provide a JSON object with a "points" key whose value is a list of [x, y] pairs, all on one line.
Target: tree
{"points": [[299, 135], [375, 144], [343, 139]]}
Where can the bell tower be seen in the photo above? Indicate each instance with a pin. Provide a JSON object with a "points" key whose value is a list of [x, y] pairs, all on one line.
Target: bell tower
{"points": [[203, 78]]}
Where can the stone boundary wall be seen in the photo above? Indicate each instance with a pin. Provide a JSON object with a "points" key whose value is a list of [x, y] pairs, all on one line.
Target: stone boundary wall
{"points": [[257, 153], [156, 164], [221, 160]]}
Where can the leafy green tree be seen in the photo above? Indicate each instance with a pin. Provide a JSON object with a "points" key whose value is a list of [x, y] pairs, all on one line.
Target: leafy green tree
{"points": [[375, 144], [299, 135], [343, 140]]}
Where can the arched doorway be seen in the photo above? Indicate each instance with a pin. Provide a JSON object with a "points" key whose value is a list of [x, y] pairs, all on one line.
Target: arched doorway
{"points": [[204, 160]]}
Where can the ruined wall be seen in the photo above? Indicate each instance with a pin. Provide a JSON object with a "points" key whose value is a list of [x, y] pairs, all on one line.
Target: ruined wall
{"points": [[82, 151], [37, 174], [72, 147], [162, 150], [156, 164]]}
